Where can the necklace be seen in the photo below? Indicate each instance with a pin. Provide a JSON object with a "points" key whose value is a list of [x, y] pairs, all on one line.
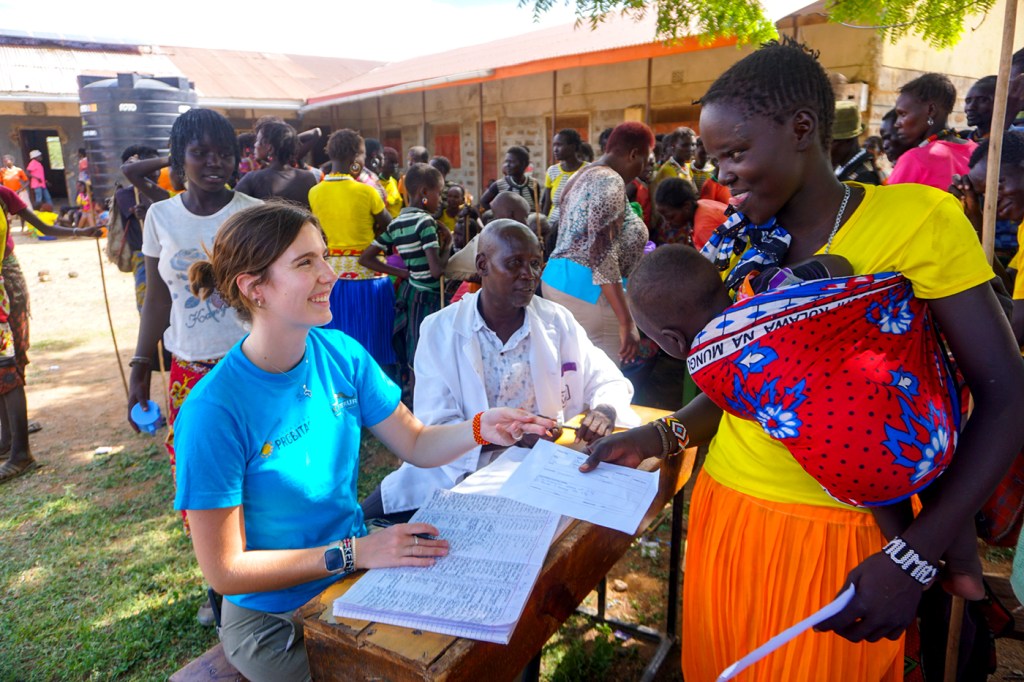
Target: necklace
{"points": [[943, 134], [839, 217], [514, 185], [306, 393]]}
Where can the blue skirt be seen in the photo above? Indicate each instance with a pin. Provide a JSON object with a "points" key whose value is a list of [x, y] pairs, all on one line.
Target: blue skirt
{"points": [[365, 310]]}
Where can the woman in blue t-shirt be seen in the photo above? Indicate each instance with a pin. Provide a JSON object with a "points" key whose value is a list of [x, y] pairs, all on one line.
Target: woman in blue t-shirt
{"points": [[268, 442]]}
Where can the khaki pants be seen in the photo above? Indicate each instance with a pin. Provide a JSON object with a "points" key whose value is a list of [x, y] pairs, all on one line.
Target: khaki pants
{"points": [[263, 646], [598, 319]]}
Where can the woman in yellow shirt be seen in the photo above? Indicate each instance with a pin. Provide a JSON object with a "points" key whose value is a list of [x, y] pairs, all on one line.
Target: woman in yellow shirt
{"points": [[352, 214], [766, 545]]}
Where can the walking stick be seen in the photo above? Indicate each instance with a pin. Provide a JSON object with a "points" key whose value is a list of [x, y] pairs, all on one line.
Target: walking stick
{"points": [[110, 319], [956, 621]]}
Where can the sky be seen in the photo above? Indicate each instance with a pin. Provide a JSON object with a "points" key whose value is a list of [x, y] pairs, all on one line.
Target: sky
{"points": [[380, 30]]}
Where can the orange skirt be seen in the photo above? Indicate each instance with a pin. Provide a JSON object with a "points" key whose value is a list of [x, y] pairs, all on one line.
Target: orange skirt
{"points": [[754, 568]]}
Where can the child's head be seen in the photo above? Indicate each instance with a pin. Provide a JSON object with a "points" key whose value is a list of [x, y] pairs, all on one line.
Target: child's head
{"points": [[245, 249], [1010, 205], [374, 154], [8, 160], [204, 149], [509, 205], [676, 202], [424, 183], [455, 198], [673, 293], [517, 160], [80, 187], [275, 141], [442, 164], [586, 153], [81, 153], [246, 142], [701, 155], [345, 148], [391, 159], [566, 145], [768, 121]]}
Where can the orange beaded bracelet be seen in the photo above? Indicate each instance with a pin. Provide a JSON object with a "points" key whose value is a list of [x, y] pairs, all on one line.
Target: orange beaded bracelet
{"points": [[480, 440]]}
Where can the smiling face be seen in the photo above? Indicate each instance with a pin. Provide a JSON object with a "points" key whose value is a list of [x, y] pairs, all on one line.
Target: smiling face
{"points": [[1010, 203], [758, 159], [297, 289], [207, 166]]}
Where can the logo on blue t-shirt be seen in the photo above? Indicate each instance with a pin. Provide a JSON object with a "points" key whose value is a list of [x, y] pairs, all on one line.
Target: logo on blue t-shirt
{"points": [[285, 439], [343, 402]]}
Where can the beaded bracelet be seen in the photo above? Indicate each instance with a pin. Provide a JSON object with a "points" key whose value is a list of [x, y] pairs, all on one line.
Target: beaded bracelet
{"points": [[477, 437], [348, 555], [674, 437], [910, 562]]}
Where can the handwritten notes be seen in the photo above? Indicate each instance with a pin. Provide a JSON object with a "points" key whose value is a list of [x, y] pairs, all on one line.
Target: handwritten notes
{"points": [[497, 548], [612, 496]]}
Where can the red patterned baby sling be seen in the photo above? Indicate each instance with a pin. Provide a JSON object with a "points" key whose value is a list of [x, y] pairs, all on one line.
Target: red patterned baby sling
{"points": [[848, 373]]}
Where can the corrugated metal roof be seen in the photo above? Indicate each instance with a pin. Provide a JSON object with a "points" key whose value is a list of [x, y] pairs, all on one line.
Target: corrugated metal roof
{"points": [[615, 32], [51, 68]]}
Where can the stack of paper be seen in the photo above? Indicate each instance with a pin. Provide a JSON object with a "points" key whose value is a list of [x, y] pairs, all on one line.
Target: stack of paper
{"points": [[497, 548], [612, 496]]}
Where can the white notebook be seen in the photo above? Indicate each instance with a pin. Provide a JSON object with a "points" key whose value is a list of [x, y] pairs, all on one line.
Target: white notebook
{"points": [[478, 591]]}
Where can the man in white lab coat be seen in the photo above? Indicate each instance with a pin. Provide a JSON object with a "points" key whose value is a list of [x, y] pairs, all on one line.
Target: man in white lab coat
{"points": [[503, 346]]}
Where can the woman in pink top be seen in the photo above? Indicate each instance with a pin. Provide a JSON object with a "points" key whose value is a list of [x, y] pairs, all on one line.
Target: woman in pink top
{"points": [[935, 153]]}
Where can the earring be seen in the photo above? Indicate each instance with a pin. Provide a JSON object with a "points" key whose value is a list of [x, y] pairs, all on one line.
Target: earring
{"points": [[259, 303], [353, 169], [424, 201], [931, 121]]}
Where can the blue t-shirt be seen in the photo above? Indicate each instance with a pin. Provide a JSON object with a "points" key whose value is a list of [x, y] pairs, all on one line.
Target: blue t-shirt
{"points": [[253, 438]]}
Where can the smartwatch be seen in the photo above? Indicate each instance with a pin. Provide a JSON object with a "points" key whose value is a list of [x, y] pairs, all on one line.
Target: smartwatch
{"points": [[334, 561]]}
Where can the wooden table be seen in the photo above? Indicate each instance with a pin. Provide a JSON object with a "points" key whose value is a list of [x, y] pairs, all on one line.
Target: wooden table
{"points": [[347, 649]]}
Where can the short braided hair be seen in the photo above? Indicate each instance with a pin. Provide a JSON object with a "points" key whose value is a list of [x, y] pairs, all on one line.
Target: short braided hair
{"points": [[776, 81], [1013, 150], [193, 126], [934, 88]]}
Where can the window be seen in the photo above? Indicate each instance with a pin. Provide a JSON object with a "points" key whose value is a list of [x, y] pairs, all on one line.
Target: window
{"points": [[56, 154], [447, 144]]}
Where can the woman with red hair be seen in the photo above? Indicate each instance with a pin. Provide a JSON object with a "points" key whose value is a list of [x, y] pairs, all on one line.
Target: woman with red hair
{"points": [[600, 241]]}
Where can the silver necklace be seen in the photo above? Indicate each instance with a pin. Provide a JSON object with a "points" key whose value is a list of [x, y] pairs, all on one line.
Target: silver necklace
{"points": [[306, 393], [839, 218]]}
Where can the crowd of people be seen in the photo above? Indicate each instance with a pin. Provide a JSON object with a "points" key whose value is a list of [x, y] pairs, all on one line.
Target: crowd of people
{"points": [[293, 306]]}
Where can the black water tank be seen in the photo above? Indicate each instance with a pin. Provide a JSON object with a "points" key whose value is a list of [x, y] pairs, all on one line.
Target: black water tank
{"points": [[130, 109]]}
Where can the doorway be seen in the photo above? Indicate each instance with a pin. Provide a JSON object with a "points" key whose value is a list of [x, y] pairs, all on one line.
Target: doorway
{"points": [[48, 142]]}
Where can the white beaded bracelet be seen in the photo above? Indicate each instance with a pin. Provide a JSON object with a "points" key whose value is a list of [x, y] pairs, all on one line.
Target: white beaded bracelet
{"points": [[910, 562]]}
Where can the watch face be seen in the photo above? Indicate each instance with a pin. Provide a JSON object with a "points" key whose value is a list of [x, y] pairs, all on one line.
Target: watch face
{"points": [[333, 559]]}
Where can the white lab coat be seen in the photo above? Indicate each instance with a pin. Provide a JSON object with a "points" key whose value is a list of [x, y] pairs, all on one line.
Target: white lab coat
{"points": [[570, 374]]}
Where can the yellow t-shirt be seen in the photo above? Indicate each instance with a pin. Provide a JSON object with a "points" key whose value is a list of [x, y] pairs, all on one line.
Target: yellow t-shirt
{"points": [[394, 202], [345, 209], [1015, 262], [448, 221], [916, 230]]}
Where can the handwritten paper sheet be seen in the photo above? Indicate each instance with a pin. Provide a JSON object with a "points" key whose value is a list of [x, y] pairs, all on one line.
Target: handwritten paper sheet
{"points": [[497, 548], [611, 496]]}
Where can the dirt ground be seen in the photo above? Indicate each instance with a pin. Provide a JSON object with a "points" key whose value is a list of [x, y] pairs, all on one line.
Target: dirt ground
{"points": [[75, 391]]}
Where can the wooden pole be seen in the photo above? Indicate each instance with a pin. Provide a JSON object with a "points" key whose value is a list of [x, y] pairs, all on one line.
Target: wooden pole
{"points": [[995, 148], [110, 319], [480, 142], [647, 109], [956, 619]]}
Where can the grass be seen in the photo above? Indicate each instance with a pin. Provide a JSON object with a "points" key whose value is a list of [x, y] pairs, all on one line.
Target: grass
{"points": [[99, 586], [98, 582]]}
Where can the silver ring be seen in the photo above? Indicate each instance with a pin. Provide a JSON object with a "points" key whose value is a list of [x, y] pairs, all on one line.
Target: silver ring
{"points": [[415, 541]]}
